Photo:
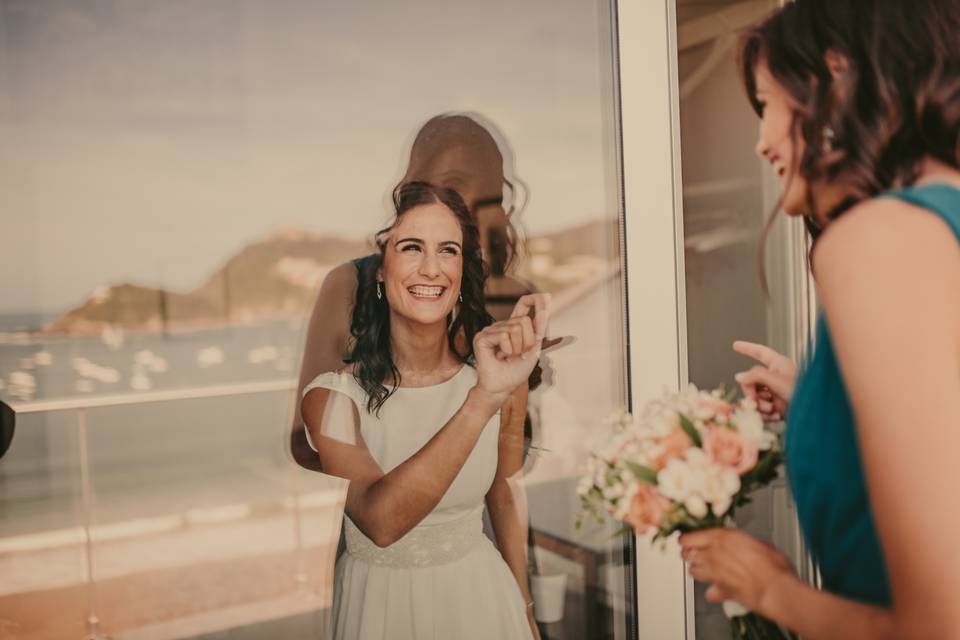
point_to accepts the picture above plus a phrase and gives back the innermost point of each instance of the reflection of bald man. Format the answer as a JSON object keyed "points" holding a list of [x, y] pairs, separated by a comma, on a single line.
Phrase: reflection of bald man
{"points": [[454, 151], [7, 420]]}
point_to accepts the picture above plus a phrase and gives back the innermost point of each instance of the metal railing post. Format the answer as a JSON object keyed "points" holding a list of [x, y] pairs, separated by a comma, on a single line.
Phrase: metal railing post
{"points": [[93, 620]]}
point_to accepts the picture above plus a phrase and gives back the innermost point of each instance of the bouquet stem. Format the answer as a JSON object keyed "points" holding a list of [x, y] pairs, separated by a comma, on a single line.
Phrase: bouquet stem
{"points": [[753, 627]]}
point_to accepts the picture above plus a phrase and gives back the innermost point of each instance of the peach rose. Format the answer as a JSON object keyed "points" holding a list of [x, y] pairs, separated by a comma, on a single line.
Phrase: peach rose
{"points": [[674, 445], [646, 509], [727, 448]]}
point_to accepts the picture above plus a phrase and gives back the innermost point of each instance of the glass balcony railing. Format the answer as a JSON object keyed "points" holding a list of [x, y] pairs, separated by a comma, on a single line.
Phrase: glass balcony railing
{"points": [[153, 534]]}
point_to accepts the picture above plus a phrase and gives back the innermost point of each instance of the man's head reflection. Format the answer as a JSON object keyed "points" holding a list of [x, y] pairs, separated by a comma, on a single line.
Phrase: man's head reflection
{"points": [[457, 152]]}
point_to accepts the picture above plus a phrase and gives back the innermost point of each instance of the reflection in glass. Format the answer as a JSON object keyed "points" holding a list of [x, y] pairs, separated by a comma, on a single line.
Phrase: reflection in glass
{"points": [[177, 182]]}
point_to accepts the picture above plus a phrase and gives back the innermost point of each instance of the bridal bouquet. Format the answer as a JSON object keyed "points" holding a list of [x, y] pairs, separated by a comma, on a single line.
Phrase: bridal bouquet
{"points": [[687, 463]]}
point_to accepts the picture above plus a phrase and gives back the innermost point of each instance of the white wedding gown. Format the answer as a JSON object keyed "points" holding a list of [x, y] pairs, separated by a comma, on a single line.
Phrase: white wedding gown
{"points": [[444, 580]]}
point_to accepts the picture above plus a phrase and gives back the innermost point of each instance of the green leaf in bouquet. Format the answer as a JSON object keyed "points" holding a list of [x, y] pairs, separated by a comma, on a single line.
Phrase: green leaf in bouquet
{"points": [[679, 520], [673, 518], [755, 627], [590, 504], [766, 470], [589, 499], [690, 430], [642, 473], [741, 499], [711, 520]]}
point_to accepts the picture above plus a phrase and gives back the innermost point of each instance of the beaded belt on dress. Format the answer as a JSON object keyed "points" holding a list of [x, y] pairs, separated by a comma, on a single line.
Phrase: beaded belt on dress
{"points": [[426, 545]]}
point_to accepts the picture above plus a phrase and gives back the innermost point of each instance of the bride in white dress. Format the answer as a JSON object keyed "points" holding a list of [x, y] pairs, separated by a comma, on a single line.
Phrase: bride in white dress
{"points": [[426, 423]]}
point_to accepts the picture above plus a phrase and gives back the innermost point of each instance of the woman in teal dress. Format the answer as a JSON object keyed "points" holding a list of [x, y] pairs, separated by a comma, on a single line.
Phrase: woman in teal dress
{"points": [[859, 104]]}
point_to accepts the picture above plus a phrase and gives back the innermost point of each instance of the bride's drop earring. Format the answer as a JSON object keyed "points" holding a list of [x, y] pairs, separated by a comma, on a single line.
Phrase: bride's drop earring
{"points": [[379, 291], [829, 138]]}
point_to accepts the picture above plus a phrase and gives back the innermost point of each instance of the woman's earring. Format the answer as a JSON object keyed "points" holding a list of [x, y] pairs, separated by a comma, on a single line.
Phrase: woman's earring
{"points": [[829, 138], [379, 291], [461, 296]]}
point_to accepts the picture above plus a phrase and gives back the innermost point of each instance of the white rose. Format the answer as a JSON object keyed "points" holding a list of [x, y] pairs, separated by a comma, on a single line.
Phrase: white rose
{"points": [[663, 423], [750, 425], [702, 413], [719, 487], [697, 458], [695, 506], [721, 506], [679, 480]]}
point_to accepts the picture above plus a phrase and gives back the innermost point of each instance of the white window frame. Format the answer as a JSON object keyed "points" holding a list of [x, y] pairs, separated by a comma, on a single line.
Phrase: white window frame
{"points": [[653, 238]]}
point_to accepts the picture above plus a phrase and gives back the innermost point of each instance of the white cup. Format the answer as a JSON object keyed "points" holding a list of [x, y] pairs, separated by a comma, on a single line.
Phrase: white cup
{"points": [[548, 593]]}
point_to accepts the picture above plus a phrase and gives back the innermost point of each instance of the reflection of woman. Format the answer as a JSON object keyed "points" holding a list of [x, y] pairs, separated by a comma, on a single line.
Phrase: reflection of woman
{"points": [[427, 427], [453, 151], [860, 115]]}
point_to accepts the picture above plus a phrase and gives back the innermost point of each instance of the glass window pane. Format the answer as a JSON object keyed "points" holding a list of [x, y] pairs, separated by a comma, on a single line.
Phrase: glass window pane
{"points": [[176, 181]]}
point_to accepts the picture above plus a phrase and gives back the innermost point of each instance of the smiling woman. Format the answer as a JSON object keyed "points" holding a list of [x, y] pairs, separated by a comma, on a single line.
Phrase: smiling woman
{"points": [[858, 106], [430, 273], [424, 265], [426, 422]]}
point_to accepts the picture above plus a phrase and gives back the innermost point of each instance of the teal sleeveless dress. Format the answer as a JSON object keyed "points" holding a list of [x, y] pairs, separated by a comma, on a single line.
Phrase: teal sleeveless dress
{"points": [[823, 461]]}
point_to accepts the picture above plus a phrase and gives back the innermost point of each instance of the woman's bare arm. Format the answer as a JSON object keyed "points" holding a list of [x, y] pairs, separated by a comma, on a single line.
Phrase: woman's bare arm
{"points": [[889, 276], [385, 506], [507, 499], [328, 337]]}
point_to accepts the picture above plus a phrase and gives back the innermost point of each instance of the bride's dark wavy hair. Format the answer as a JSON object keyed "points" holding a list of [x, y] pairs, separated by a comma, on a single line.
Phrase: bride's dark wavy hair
{"points": [[896, 102], [372, 355]]}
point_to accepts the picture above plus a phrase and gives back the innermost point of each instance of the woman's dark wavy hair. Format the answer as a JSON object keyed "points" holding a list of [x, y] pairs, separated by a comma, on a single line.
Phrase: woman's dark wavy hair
{"points": [[372, 355], [896, 102]]}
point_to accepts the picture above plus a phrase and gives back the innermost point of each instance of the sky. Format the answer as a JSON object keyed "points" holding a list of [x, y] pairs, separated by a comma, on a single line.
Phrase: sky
{"points": [[146, 141]]}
